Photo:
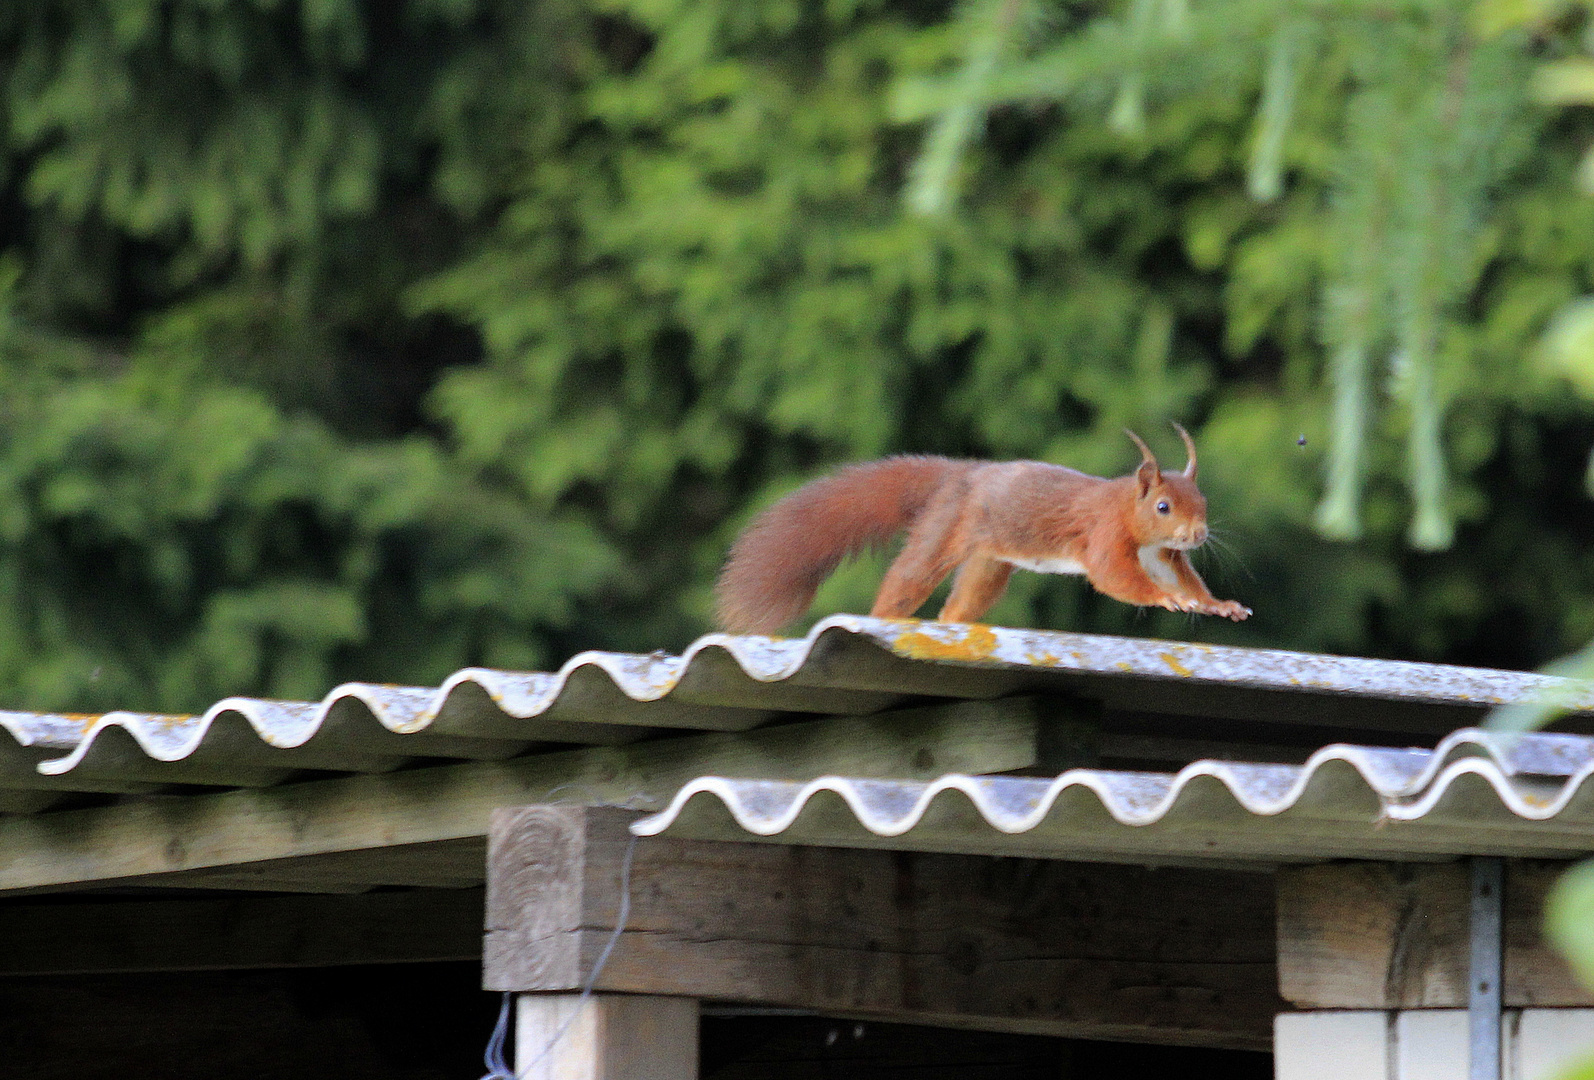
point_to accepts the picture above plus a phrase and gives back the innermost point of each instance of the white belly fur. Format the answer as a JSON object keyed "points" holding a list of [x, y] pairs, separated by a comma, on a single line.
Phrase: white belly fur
{"points": [[1048, 566], [1157, 570]]}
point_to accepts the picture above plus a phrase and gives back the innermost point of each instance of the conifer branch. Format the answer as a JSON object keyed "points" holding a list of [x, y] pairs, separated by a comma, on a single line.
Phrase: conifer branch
{"points": [[992, 28], [1286, 57], [1339, 514], [1128, 114]]}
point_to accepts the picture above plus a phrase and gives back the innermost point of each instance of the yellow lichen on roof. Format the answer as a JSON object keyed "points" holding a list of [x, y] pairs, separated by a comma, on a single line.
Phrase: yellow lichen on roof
{"points": [[954, 642]]}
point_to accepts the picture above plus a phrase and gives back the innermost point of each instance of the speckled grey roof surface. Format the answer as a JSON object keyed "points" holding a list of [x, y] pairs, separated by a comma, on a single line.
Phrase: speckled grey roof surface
{"points": [[847, 665]]}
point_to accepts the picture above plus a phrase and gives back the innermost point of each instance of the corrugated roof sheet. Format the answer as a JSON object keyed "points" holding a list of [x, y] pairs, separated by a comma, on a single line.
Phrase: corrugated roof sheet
{"points": [[1476, 793], [845, 665]]}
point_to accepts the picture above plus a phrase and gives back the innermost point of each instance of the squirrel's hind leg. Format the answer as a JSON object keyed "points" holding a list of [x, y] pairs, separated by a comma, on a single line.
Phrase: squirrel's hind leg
{"points": [[936, 544], [979, 584]]}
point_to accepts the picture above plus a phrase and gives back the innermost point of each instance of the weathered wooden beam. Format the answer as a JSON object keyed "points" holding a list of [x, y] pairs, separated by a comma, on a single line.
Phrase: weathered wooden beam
{"points": [[1366, 935], [104, 936], [144, 837], [1095, 951], [606, 1037], [440, 864]]}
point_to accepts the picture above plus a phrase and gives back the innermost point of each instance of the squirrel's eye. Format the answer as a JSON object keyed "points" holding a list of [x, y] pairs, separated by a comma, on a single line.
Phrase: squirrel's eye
{"points": [[1162, 507]]}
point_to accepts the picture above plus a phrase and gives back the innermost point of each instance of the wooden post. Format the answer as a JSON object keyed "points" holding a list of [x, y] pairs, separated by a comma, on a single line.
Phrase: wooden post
{"points": [[607, 1037], [998, 944]]}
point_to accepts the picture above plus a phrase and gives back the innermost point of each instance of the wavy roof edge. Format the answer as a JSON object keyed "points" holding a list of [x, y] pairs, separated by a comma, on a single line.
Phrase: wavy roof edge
{"points": [[1467, 793], [781, 666]]}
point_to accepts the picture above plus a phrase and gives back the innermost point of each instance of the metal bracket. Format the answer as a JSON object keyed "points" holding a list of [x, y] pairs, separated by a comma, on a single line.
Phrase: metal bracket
{"points": [[1487, 968]]}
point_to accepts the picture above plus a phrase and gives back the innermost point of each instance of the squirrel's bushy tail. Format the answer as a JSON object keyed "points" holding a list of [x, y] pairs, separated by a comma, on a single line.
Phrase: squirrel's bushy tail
{"points": [[777, 565]]}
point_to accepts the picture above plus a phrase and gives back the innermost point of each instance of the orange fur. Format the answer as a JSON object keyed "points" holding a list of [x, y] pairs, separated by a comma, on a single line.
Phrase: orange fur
{"points": [[981, 519]]}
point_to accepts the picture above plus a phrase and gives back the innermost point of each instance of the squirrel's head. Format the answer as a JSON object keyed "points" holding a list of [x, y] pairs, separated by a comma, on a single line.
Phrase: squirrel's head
{"points": [[1169, 509]]}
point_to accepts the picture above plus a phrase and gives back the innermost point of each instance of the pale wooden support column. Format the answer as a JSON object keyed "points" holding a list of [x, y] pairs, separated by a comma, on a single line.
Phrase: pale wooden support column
{"points": [[1378, 956], [540, 903], [995, 944], [605, 1037]]}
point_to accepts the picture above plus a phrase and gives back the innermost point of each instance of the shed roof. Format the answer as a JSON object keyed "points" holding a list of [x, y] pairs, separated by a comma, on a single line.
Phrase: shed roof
{"points": [[127, 795], [846, 665]]}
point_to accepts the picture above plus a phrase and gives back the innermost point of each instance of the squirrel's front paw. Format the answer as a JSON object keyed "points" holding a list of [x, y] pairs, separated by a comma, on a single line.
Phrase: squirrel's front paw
{"points": [[1231, 609]]}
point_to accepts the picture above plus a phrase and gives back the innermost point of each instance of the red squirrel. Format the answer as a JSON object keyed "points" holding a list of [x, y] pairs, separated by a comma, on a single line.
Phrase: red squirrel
{"points": [[1128, 536]]}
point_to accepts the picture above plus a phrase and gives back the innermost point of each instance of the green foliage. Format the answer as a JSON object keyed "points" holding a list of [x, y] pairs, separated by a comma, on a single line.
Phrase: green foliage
{"points": [[1569, 924], [167, 536], [1425, 120], [356, 340], [751, 252], [213, 480]]}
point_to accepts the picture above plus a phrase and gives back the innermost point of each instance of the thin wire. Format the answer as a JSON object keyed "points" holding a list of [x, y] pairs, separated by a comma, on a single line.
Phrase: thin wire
{"points": [[493, 1058], [497, 1067]]}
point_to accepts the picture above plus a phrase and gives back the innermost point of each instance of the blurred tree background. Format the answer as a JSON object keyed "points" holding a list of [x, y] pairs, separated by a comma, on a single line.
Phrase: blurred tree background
{"points": [[344, 339]]}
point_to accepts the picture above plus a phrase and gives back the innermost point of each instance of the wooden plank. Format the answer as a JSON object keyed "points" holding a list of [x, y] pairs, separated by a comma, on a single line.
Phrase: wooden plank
{"points": [[246, 881], [171, 835], [1368, 935], [1093, 951], [606, 1037], [441, 864], [104, 936]]}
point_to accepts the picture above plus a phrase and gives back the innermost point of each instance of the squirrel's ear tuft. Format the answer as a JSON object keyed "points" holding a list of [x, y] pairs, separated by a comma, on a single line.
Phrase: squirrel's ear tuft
{"points": [[1146, 456], [1189, 446], [1148, 472]]}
